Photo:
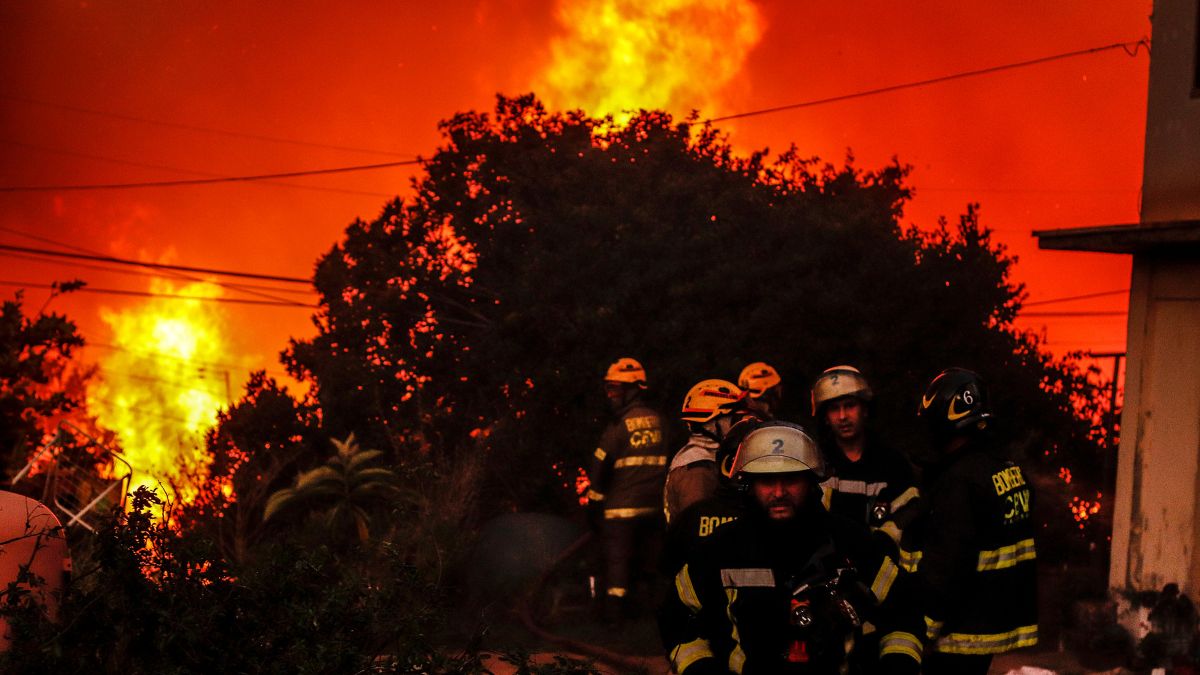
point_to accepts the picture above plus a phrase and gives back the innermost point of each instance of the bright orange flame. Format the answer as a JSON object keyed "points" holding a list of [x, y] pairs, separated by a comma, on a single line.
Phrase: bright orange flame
{"points": [[621, 55], [162, 385]]}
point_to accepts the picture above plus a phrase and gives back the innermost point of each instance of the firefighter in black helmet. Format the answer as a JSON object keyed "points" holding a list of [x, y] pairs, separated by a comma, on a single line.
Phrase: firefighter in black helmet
{"points": [[780, 590], [972, 548], [624, 497]]}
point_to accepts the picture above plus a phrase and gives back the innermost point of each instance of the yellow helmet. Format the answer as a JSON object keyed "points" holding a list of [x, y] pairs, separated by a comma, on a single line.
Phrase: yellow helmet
{"points": [[710, 398], [778, 447], [757, 378], [837, 382], [626, 371]]}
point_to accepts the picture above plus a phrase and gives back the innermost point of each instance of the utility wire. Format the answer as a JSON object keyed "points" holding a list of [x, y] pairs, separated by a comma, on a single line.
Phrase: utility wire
{"points": [[190, 127], [153, 275], [173, 357], [206, 181], [1130, 48], [247, 288], [163, 167], [1071, 298], [1070, 314], [167, 296], [161, 266]]}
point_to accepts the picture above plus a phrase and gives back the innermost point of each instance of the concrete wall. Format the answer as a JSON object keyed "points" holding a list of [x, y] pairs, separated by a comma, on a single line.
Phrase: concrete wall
{"points": [[1171, 178], [1156, 532]]}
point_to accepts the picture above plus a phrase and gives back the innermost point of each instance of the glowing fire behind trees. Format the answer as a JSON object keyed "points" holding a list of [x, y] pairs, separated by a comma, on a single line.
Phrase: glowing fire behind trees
{"points": [[160, 388], [620, 55]]}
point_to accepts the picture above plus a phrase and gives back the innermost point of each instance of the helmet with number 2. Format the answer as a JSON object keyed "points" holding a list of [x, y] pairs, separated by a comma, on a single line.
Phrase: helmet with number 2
{"points": [[955, 402], [778, 447]]}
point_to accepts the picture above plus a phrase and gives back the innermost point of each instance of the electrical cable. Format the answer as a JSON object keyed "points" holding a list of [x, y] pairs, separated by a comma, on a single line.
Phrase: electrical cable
{"points": [[205, 181], [165, 296], [191, 127], [180, 268], [1135, 46], [1071, 298]]}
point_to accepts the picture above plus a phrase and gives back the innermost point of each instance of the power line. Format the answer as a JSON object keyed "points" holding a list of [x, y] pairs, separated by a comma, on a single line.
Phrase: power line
{"points": [[244, 288], [173, 357], [145, 165], [153, 275], [162, 266], [1130, 48], [1071, 298], [166, 296], [1071, 314], [205, 181], [191, 127]]}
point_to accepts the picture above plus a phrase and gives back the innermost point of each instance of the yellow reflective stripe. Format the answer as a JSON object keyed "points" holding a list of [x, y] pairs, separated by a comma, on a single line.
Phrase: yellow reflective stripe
{"points": [[617, 591], [932, 628], [688, 653], [892, 530], [629, 513], [594, 496], [641, 460], [826, 495], [685, 590], [737, 656], [1006, 556], [910, 560], [900, 642], [904, 498], [884, 578], [994, 643], [600, 454]]}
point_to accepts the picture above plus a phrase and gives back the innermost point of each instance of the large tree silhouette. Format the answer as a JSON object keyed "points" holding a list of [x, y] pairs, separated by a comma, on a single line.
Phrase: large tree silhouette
{"points": [[475, 317]]}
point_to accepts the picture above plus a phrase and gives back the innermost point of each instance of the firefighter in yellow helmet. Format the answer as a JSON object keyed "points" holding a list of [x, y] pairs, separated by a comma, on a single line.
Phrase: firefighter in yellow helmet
{"points": [[781, 589], [764, 389], [710, 409], [627, 472]]}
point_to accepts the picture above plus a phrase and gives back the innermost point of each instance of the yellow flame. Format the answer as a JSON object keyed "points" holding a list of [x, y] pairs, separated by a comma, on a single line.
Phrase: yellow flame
{"points": [[163, 382], [622, 55]]}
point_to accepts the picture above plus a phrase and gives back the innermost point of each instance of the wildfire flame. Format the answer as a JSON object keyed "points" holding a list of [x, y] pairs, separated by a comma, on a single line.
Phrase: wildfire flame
{"points": [[161, 387], [618, 55]]}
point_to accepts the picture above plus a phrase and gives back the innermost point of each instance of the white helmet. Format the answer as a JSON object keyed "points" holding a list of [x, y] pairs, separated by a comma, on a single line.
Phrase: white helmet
{"points": [[778, 447], [837, 382]]}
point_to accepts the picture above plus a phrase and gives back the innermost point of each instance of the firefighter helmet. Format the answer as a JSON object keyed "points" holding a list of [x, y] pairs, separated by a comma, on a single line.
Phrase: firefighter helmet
{"points": [[626, 371], [956, 401], [710, 398], [757, 378], [778, 447], [837, 382]]}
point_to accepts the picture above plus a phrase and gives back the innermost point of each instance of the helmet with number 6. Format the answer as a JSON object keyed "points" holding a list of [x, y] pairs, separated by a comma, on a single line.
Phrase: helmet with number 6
{"points": [[955, 403], [778, 447]]}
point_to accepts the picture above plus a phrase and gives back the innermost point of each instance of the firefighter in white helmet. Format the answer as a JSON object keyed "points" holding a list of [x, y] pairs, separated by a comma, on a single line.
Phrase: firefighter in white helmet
{"points": [[868, 480], [710, 409], [781, 589], [626, 480], [764, 389]]}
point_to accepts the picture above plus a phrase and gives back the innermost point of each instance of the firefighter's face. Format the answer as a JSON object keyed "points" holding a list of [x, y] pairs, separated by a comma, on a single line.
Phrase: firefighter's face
{"points": [[780, 494], [617, 394], [846, 417]]}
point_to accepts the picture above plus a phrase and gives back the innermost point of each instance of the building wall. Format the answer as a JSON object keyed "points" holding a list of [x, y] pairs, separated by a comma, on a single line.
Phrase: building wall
{"points": [[1156, 532], [1171, 178]]}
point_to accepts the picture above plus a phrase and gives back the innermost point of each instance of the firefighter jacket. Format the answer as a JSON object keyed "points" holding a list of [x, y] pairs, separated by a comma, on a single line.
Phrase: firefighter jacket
{"points": [[628, 467], [733, 606], [692, 476], [972, 550], [698, 522], [879, 490]]}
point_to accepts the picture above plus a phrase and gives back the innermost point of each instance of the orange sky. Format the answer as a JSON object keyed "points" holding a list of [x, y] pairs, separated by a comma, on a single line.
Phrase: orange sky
{"points": [[1050, 146]]}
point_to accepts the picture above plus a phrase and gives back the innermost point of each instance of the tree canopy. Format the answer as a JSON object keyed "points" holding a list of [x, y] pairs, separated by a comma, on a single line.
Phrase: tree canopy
{"points": [[477, 315]]}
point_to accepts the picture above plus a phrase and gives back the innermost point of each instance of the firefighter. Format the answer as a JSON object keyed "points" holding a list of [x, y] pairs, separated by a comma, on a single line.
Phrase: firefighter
{"points": [[710, 409], [783, 587], [626, 474], [973, 549], [764, 389], [867, 481]]}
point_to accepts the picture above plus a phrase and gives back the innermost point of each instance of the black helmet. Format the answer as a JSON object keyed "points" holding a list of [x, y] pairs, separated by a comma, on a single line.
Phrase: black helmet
{"points": [[955, 402]]}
